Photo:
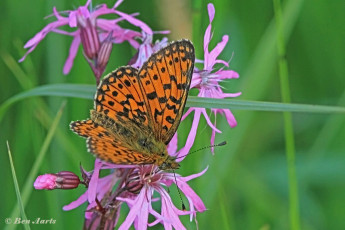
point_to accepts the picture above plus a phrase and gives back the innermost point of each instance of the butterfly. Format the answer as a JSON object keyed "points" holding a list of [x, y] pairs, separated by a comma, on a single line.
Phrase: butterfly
{"points": [[137, 111]]}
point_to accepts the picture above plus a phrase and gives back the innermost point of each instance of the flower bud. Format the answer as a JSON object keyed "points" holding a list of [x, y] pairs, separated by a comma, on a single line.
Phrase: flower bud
{"points": [[134, 183], [104, 54], [61, 180], [89, 37]]}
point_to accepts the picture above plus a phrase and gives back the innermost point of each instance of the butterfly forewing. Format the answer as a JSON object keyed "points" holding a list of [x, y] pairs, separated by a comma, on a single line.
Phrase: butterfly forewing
{"points": [[165, 80], [119, 97]]}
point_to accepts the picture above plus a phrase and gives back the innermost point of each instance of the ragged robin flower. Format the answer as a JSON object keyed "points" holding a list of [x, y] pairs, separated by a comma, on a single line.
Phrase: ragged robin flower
{"points": [[96, 35], [132, 185], [207, 82], [151, 178]]}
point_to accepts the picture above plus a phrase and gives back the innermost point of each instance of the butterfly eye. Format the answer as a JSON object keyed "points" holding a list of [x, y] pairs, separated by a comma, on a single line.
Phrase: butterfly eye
{"points": [[142, 142], [163, 166], [162, 154]]}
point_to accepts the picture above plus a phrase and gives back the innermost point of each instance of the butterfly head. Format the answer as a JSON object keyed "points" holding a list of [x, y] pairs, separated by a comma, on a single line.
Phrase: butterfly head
{"points": [[169, 163], [166, 162]]}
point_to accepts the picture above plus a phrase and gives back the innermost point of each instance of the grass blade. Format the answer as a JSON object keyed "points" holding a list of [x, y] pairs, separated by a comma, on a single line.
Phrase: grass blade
{"points": [[288, 126], [16, 186], [34, 170], [87, 92]]}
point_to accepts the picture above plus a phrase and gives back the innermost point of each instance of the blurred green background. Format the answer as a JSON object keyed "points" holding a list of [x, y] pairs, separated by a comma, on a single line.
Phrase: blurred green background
{"points": [[246, 186]]}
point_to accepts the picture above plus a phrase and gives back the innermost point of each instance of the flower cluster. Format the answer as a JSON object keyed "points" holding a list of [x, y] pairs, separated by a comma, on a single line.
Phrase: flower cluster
{"points": [[207, 81], [96, 35], [136, 186]]}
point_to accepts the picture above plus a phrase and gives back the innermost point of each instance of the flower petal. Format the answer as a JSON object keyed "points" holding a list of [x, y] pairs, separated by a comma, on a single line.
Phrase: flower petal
{"points": [[230, 118], [172, 146], [207, 39], [230, 94], [187, 113], [189, 192], [215, 52], [191, 136], [169, 211], [209, 121], [117, 3], [74, 204], [94, 181], [227, 74], [193, 176], [196, 80], [102, 10], [33, 42], [72, 54], [135, 22], [211, 11], [135, 209]]}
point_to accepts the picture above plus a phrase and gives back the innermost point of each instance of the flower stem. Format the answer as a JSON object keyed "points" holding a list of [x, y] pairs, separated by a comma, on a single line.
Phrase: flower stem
{"points": [[197, 23], [288, 126]]}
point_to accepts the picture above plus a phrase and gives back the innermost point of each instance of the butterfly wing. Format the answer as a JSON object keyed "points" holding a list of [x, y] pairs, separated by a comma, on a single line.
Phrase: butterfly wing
{"points": [[135, 113], [119, 97], [106, 146], [164, 81]]}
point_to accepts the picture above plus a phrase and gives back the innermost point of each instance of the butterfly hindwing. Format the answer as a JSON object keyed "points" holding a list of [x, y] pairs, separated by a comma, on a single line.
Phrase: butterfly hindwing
{"points": [[89, 128], [165, 80], [106, 146], [115, 152]]}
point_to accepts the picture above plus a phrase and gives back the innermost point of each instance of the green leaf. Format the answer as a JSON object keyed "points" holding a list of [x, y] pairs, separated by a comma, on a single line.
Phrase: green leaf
{"points": [[62, 90], [87, 92]]}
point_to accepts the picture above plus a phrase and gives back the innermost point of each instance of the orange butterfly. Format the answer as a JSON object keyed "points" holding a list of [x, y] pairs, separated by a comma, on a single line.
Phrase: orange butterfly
{"points": [[137, 112]]}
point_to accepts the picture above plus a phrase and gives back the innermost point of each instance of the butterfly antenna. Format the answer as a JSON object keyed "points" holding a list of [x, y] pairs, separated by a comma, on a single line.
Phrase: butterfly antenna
{"points": [[178, 189], [206, 147]]}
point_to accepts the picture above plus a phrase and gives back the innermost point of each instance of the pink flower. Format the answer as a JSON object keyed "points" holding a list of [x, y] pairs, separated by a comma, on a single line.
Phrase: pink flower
{"points": [[154, 179], [150, 178], [207, 81], [97, 187], [147, 48], [92, 32], [135, 186]]}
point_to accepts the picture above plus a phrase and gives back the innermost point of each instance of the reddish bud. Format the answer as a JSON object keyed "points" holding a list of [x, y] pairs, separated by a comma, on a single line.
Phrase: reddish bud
{"points": [[89, 37], [104, 54], [61, 180]]}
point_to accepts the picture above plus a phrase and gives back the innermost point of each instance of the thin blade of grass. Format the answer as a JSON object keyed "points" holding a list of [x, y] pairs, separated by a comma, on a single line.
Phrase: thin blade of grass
{"points": [[87, 91], [28, 186], [62, 90], [288, 125], [16, 186], [225, 215], [209, 103]]}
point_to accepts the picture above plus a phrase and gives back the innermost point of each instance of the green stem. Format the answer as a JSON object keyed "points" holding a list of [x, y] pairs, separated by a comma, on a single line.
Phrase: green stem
{"points": [[288, 126], [197, 24]]}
